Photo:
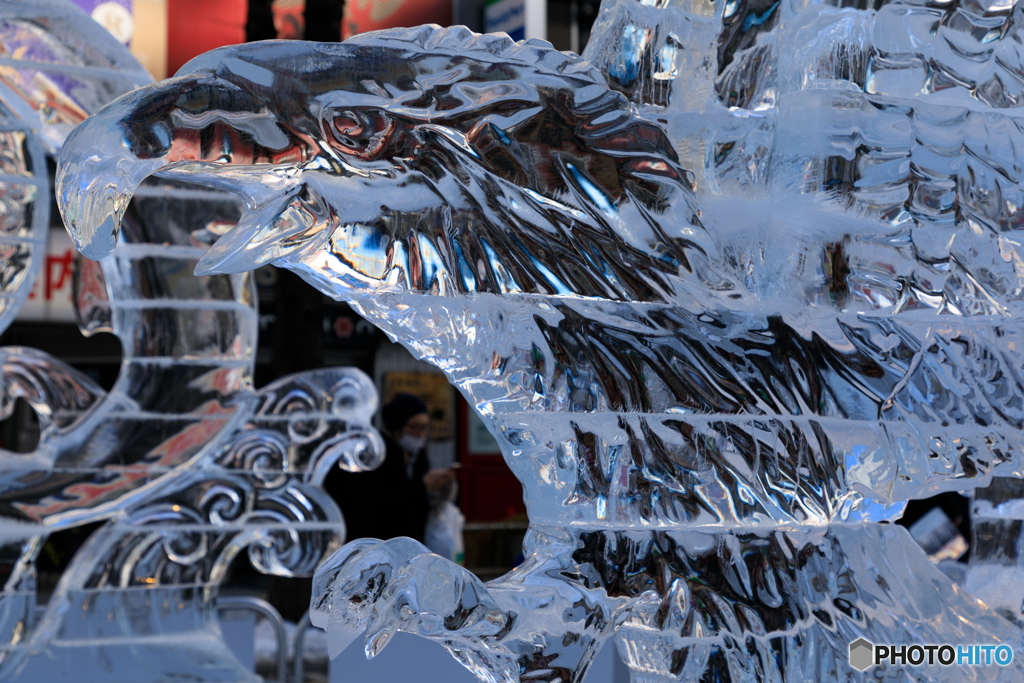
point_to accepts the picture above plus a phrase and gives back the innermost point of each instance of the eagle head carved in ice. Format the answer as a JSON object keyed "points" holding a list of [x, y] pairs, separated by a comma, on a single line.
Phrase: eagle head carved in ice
{"points": [[418, 160]]}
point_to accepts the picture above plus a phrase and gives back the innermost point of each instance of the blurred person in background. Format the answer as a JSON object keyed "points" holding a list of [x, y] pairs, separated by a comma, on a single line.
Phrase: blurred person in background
{"points": [[393, 500]]}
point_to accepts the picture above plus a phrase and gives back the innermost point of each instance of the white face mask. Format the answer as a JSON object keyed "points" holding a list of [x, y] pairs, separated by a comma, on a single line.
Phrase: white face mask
{"points": [[412, 444]]}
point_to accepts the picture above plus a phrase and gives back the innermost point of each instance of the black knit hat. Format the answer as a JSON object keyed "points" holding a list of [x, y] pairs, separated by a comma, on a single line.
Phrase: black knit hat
{"points": [[399, 409]]}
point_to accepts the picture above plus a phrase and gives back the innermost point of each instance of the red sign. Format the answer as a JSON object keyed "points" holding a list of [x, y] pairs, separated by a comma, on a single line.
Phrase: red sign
{"points": [[372, 15], [488, 491], [198, 26], [50, 298]]}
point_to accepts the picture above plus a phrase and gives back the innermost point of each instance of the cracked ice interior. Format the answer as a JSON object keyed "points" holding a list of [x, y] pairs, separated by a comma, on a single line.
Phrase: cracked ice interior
{"points": [[729, 289]]}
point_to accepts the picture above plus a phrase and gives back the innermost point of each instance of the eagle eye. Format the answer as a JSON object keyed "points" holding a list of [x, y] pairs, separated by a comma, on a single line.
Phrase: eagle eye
{"points": [[361, 133]]}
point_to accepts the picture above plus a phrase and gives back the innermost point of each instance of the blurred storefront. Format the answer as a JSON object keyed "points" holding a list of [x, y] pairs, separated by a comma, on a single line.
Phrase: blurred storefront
{"points": [[165, 34]]}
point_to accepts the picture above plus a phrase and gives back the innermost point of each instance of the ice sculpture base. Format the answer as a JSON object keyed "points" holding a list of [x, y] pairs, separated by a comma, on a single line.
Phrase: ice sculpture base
{"points": [[747, 604]]}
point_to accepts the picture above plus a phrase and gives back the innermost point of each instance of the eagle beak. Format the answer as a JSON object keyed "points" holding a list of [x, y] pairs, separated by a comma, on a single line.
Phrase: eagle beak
{"points": [[94, 187], [290, 219], [159, 128], [228, 255]]}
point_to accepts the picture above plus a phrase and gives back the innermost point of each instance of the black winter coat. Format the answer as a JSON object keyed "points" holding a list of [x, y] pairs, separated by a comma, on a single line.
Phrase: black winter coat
{"points": [[385, 503]]}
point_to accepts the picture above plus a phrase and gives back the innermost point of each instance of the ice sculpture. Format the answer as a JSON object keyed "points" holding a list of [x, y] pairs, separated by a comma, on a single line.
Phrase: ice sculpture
{"points": [[183, 460], [188, 463], [996, 569], [57, 69], [728, 290]]}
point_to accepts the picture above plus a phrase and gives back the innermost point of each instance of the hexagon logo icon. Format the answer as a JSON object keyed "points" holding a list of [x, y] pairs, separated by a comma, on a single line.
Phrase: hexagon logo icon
{"points": [[862, 654]]}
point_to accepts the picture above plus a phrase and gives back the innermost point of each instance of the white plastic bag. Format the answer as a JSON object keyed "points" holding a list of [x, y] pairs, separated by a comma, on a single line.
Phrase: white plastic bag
{"points": [[443, 534]]}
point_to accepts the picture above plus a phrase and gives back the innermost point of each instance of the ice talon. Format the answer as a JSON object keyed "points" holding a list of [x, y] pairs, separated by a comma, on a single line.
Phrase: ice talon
{"points": [[500, 630]]}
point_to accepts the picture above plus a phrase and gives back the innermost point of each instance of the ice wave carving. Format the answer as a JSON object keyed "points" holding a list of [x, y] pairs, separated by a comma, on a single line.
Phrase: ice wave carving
{"points": [[728, 292], [184, 462], [55, 68]]}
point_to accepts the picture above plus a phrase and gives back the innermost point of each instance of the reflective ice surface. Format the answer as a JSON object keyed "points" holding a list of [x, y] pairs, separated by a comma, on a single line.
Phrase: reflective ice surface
{"points": [[189, 465], [183, 461], [55, 70], [728, 290]]}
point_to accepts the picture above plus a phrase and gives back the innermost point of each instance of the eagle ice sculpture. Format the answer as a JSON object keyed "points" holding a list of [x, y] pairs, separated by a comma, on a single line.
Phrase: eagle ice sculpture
{"points": [[728, 290]]}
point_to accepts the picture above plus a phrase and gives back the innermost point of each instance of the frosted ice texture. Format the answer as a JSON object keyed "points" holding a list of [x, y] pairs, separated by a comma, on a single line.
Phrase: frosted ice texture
{"points": [[728, 291], [184, 463]]}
